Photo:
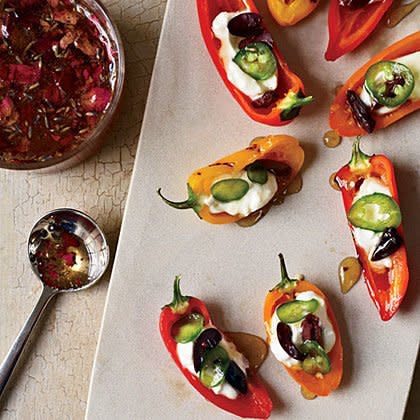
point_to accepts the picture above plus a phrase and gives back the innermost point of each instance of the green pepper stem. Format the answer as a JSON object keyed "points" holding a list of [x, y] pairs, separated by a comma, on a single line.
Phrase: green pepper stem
{"points": [[286, 283], [180, 205], [191, 202], [359, 160], [179, 301]]}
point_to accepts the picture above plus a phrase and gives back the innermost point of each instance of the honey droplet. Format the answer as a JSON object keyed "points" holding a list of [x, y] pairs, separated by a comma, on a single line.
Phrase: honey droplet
{"points": [[308, 395], [395, 16], [349, 272], [295, 186], [254, 348], [333, 182], [331, 138]]}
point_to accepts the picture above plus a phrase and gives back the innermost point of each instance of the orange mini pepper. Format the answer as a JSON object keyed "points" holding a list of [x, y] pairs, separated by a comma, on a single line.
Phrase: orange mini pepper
{"points": [[286, 291], [288, 13], [341, 118], [279, 154]]}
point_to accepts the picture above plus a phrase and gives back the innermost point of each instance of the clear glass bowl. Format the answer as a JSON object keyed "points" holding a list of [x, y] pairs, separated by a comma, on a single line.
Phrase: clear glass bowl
{"points": [[92, 143]]}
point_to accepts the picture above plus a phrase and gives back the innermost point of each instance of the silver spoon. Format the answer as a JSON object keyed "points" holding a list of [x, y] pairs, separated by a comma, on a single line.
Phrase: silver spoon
{"points": [[85, 259]]}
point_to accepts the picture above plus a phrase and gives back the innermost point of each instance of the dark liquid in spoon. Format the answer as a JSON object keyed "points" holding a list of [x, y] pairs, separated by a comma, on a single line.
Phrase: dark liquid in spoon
{"points": [[61, 258]]}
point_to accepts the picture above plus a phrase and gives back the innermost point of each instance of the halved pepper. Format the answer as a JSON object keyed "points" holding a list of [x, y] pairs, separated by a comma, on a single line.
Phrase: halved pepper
{"points": [[341, 117], [288, 13], [290, 90], [253, 403], [316, 382], [280, 150], [387, 286], [350, 22]]}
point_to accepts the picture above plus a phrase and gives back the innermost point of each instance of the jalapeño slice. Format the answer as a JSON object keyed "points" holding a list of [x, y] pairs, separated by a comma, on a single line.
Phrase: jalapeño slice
{"points": [[389, 82], [187, 328], [375, 212], [257, 173], [317, 360], [214, 367], [257, 60], [230, 189], [296, 310]]}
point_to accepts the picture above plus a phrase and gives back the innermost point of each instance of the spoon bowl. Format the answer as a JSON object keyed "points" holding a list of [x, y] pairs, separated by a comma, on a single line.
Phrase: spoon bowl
{"points": [[81, 226]]}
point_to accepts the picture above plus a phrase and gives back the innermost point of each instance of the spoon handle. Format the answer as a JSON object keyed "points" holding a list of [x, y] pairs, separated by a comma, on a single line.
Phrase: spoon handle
{"points": [[12, 357]]}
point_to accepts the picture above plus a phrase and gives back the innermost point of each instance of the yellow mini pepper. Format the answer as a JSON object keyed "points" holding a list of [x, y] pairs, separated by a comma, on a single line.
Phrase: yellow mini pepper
{"points": [[280, 154], [290, 12]]}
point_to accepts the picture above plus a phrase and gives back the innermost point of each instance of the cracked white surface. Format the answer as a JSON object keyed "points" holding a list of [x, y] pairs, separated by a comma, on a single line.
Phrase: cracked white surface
{"points": [[52, 379]]}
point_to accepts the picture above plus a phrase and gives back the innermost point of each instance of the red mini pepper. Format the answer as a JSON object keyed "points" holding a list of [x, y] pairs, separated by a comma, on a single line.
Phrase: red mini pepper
{"points": [[290, 89], [349, 27], [256, 403], [387, 286]]}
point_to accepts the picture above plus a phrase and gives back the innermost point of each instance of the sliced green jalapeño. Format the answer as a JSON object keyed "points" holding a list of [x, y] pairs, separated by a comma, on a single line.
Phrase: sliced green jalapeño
{"points": [[230, 189], [389, 82], [317, 360], [375, 212], [257, 173], [187, 328], [296, 310], [214, 367], [257, 60]]}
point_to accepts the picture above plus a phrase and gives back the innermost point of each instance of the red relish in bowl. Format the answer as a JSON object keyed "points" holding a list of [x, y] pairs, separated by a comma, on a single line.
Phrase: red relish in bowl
{"points": [[57, 76]]}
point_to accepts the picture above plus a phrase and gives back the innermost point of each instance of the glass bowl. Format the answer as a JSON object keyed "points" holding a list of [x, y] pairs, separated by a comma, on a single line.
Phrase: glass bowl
{"points": [[98, 14]]}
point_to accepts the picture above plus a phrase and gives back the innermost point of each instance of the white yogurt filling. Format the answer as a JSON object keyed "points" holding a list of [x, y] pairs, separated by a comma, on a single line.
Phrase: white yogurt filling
{"points": [[257, 196], [228, 49], [328, 334], [367, 239], [412, 61], [185, 355]]}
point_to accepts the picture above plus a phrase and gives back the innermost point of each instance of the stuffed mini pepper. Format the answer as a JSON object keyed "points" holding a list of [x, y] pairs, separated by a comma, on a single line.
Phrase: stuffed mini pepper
{"points": [[384, 90], [371, 202], [209, 360], [350, 22], [238, 185], [303, 334], [248, 61]]}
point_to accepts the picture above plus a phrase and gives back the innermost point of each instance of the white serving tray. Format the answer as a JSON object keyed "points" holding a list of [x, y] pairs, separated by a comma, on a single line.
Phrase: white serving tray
{"points": [[190, 121]]}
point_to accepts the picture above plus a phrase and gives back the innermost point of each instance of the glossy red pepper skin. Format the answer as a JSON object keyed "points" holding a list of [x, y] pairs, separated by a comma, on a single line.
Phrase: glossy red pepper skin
{"points": [[256, 403], [289, 84], [387, 287], [348, 28]]}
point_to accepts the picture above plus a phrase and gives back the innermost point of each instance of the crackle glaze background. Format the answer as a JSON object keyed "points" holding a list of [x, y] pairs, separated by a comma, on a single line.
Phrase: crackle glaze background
{"points": [[53, 379]]}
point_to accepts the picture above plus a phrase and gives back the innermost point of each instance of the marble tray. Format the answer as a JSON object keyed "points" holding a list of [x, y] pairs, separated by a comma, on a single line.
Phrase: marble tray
{"points": [[190, 121]]}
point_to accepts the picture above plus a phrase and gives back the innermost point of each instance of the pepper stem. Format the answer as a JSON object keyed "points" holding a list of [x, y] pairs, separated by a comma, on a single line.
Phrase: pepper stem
{"points": [[190, 203], [292, 103], [286, 283], [179, 301], [359, 160]]}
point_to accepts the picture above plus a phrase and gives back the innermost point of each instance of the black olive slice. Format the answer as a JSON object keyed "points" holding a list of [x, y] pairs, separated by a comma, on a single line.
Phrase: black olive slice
{"points": [[236, 377], [284, 334], [361, 113], [206, 341], [390, 241], [246, 24]]}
